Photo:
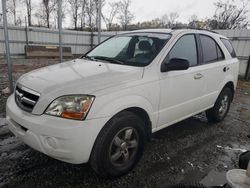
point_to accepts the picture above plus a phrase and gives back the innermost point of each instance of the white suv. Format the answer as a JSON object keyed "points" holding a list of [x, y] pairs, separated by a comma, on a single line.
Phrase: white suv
{"points": [[102, 107]]}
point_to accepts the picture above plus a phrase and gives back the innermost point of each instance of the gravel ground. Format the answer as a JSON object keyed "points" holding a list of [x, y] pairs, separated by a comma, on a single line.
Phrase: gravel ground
{"points": [[184, 152]]}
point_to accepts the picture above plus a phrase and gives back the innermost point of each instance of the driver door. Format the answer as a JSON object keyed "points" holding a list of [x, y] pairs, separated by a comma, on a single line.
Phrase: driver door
{"points": [[181, 91]]}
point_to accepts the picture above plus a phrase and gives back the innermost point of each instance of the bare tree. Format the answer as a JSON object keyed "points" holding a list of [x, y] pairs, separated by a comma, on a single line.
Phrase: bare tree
{"points": [[96, 7], [29, 11], [19, 20], [43, 14], [195, 22], [11, 7], [1, 17], [125, 15], [48, 7], [14, 11], [54, 14], [83, 14], [165, 20], [193, 18], [155, 23], [229, 15], [173, 16], [75, 6], [112, 13], [95, 13], [90, 14], [170, 20]]}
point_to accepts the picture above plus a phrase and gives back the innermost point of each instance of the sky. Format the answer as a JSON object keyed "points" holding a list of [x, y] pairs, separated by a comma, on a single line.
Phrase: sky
{"points": [[150, 9], [145, 10]]}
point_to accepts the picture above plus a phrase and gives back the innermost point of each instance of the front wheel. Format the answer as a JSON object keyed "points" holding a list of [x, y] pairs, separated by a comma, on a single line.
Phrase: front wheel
{"points": [[119, 145], [221, 106]]}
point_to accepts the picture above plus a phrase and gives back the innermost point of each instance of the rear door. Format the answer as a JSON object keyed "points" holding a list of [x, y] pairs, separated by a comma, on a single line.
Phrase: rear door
{"points": [[216, 68]]}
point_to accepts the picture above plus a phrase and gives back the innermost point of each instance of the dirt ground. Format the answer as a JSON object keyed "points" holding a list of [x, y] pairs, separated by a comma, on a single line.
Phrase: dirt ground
{"points": [[184, 152]]}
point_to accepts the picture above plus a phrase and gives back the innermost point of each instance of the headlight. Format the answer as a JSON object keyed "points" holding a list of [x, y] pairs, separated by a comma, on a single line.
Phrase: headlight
{"points": [[71, 107]]}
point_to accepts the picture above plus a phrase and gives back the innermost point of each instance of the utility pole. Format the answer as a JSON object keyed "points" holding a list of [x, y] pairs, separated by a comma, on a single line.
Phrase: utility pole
{"points": [[26, 36], [60, 30], [7, 47], [99, 20], [247, 74]]}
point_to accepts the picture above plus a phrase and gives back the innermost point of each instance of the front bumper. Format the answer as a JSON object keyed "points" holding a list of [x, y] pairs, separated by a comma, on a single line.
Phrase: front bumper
{"points": [[63, 139]]}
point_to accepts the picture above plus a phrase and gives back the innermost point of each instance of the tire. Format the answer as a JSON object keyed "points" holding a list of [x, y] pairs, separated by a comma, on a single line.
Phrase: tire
{"points": [[119, 145], [221, 106]]}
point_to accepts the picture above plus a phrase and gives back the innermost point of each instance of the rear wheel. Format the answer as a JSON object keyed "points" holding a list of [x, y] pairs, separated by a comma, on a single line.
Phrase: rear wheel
{"points": [[119, 145], [221, 107]]}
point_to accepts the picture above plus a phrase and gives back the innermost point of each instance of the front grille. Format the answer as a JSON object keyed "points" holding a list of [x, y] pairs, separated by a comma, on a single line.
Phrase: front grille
{"points": [[26, 98]]}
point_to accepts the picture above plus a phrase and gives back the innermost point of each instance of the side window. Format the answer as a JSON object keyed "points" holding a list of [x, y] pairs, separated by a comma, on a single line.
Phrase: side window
{"points": [[229, 47], [210, 49], [185, 48]]}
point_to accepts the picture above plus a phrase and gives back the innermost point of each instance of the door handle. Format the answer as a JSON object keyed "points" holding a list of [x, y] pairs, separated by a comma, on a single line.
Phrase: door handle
{"points": [[198, 76], [225, 69]]}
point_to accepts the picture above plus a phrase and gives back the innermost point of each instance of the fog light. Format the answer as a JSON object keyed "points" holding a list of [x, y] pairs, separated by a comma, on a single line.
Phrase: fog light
{"points": [[51, 142]]}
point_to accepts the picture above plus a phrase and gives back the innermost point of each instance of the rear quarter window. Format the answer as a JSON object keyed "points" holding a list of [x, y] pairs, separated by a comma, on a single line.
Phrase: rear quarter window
{"points": [[229, 46]]}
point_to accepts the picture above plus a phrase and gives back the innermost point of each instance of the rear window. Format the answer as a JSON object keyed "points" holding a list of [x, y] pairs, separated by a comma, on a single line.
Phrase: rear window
{"points": [[229, 47], [210, 49]]}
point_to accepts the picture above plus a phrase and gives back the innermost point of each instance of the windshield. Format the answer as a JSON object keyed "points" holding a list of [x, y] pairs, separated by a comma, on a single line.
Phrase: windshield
{"points": [[135, 49]]}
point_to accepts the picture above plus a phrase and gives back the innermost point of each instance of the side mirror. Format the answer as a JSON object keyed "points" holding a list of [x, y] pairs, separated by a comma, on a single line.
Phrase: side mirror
{"points": [[174, 64]]}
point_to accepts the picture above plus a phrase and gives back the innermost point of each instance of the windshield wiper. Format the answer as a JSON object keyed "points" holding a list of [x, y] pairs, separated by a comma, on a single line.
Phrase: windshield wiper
{"points": [[109, 59], [89, 57]]}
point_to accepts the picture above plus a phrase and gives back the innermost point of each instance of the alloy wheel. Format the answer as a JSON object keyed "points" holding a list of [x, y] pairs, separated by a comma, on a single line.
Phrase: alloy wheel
{"points": [[224, 106], [123, 146]]}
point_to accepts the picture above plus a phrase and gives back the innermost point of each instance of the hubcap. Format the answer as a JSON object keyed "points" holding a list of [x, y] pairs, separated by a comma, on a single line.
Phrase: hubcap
{"points": [[123, 146], [224, 106]]}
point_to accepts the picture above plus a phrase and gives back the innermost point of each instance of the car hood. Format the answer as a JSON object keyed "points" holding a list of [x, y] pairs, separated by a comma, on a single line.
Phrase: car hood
{"points": [[79, 76]]}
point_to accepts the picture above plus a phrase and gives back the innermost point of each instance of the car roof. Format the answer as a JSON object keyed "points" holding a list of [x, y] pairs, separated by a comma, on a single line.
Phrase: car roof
{"points": [[199, 31], [152, 31], [177, 31]]}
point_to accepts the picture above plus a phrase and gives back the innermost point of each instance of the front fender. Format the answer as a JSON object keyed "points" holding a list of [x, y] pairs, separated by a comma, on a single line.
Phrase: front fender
{"points": [[110, 107]]}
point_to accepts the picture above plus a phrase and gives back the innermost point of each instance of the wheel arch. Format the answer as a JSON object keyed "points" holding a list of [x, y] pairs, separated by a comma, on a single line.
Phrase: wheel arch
{"points": [[143, 115], [231, 86], [140, 112]]}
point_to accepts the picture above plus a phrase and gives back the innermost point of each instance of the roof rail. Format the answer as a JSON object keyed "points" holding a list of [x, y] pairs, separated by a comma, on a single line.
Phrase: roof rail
{"points": [[195, 28]]}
